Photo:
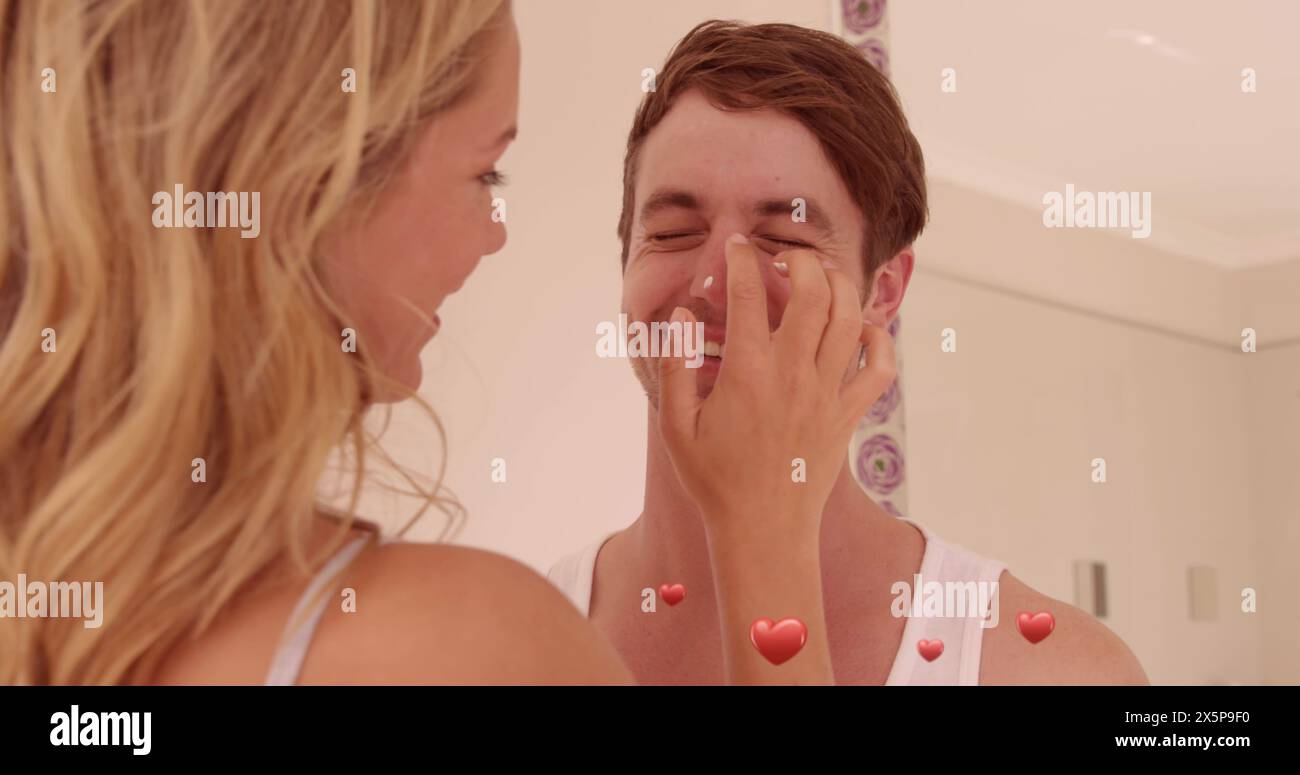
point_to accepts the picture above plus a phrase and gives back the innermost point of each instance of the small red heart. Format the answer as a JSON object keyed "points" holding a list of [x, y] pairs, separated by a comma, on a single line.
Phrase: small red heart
{"points": [[1035, 627], [930, 649], [672, 594], [778, 641]]}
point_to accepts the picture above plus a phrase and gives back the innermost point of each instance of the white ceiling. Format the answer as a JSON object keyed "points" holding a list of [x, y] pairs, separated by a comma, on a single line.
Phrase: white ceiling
{"points": [[1117, 95]]}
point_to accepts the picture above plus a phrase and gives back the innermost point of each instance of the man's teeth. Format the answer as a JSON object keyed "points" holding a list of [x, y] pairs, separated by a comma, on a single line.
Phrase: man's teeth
{"points": [[713, 349]]}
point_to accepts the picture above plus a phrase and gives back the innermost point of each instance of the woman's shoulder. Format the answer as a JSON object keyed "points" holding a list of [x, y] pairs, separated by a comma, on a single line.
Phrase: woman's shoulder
{"points": [[410, 613], [435, 613]]}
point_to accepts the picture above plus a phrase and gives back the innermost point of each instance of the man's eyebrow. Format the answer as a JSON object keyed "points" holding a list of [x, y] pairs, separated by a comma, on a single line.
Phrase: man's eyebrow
{"points": [[814, 216], [669, 199]]}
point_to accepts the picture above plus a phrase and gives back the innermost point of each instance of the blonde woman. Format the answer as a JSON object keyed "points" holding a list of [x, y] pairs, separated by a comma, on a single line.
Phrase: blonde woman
{"points": [[170, 396]]}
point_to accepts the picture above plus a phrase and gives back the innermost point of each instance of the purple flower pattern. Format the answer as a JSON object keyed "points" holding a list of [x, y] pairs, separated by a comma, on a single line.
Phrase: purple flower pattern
{"points": [[880, 464], [862, 15], [874, 50], [880, 412]]}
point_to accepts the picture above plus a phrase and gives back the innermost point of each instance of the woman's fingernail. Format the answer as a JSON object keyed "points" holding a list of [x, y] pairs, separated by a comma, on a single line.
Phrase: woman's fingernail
{"points": [[782, 268], [708, 282], [738, 238]]}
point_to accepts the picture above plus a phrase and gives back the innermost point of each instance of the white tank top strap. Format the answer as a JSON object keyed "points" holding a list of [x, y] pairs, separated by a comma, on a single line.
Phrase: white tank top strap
{"points": [[294, 642], [962, 635], [574, 574]]}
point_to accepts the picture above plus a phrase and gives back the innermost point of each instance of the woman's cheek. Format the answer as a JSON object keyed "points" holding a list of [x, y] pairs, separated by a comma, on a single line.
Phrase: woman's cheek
{"points": [[487, 220], [497, 236]]}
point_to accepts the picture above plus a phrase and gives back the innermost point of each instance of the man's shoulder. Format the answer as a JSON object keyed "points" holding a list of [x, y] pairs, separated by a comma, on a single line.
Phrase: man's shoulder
{"points": [[1079, 650], [565, 566], [574, 574]]}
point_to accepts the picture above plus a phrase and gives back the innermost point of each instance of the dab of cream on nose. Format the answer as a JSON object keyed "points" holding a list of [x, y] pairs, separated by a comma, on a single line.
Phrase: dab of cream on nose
{"points": [[708, 282]]}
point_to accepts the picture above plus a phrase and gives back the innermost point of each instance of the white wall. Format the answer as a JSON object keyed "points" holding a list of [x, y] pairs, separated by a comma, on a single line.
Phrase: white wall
{"points": [[1072, 345], [1273, 400]]}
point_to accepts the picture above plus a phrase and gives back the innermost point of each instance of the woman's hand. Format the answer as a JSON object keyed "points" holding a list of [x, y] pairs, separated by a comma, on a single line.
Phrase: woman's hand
{"points": [[760, 454]]}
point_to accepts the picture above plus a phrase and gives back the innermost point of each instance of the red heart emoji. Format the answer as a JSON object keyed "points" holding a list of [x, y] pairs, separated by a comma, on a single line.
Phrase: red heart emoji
{"points": [[930, 649], [672, 594], [778, 641], [1035, 627]]}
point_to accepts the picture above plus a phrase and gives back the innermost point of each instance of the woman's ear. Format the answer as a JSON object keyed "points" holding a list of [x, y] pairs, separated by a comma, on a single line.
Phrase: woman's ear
{"points": [[888, 286]]}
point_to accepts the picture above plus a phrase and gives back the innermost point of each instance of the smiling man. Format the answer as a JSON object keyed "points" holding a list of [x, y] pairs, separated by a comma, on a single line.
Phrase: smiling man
{"points": [[790, 137]]}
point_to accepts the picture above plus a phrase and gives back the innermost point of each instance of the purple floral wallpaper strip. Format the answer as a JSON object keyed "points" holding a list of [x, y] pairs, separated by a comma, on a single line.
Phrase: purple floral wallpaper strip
{"points": [[877, 447], [862, 15], [883, 409], [874, 50], [880, 464], [877, 450]]}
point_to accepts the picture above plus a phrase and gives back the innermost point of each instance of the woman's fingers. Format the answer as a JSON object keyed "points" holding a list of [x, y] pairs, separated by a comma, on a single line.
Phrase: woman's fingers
{"points": [[804, 320], [875, 378], [679, 401], [748, 338], [820, 330], [843, 332]]}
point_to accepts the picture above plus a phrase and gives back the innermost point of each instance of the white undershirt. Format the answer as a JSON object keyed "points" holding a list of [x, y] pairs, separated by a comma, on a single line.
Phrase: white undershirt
{"points": [[959, 664]]}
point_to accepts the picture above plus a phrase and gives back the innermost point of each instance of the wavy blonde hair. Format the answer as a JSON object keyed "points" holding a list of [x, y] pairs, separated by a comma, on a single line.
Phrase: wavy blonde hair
{"points": [[177, 344]]}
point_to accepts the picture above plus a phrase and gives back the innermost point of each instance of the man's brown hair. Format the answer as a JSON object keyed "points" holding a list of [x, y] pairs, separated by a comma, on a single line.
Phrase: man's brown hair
{"points": [[829, 87]]}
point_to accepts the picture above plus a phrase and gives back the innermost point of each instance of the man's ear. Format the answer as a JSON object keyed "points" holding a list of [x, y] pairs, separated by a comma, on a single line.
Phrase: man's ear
{"points": [[888, 286]]}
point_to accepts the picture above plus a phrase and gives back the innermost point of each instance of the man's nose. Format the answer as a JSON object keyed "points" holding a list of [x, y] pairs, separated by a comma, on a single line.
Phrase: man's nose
{"points": [[710, 280]]}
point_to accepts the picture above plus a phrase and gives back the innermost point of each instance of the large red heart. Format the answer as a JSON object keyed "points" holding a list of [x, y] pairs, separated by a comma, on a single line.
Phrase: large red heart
{"points": [[672, 594], [778, 641], [1035, 627], [930, 649]]}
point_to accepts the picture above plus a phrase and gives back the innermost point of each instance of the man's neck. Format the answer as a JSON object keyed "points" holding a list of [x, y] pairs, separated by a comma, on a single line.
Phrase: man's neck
{"points": [[858, 538]]}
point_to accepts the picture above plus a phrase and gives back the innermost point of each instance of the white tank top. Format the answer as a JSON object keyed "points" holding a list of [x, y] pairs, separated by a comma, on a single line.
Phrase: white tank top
{"points": [[291, 652], [959, 664]]}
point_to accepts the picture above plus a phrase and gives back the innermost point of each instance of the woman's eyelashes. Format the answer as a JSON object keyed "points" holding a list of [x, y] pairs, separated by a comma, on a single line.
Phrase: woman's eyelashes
{"points": [[494, 178]]}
